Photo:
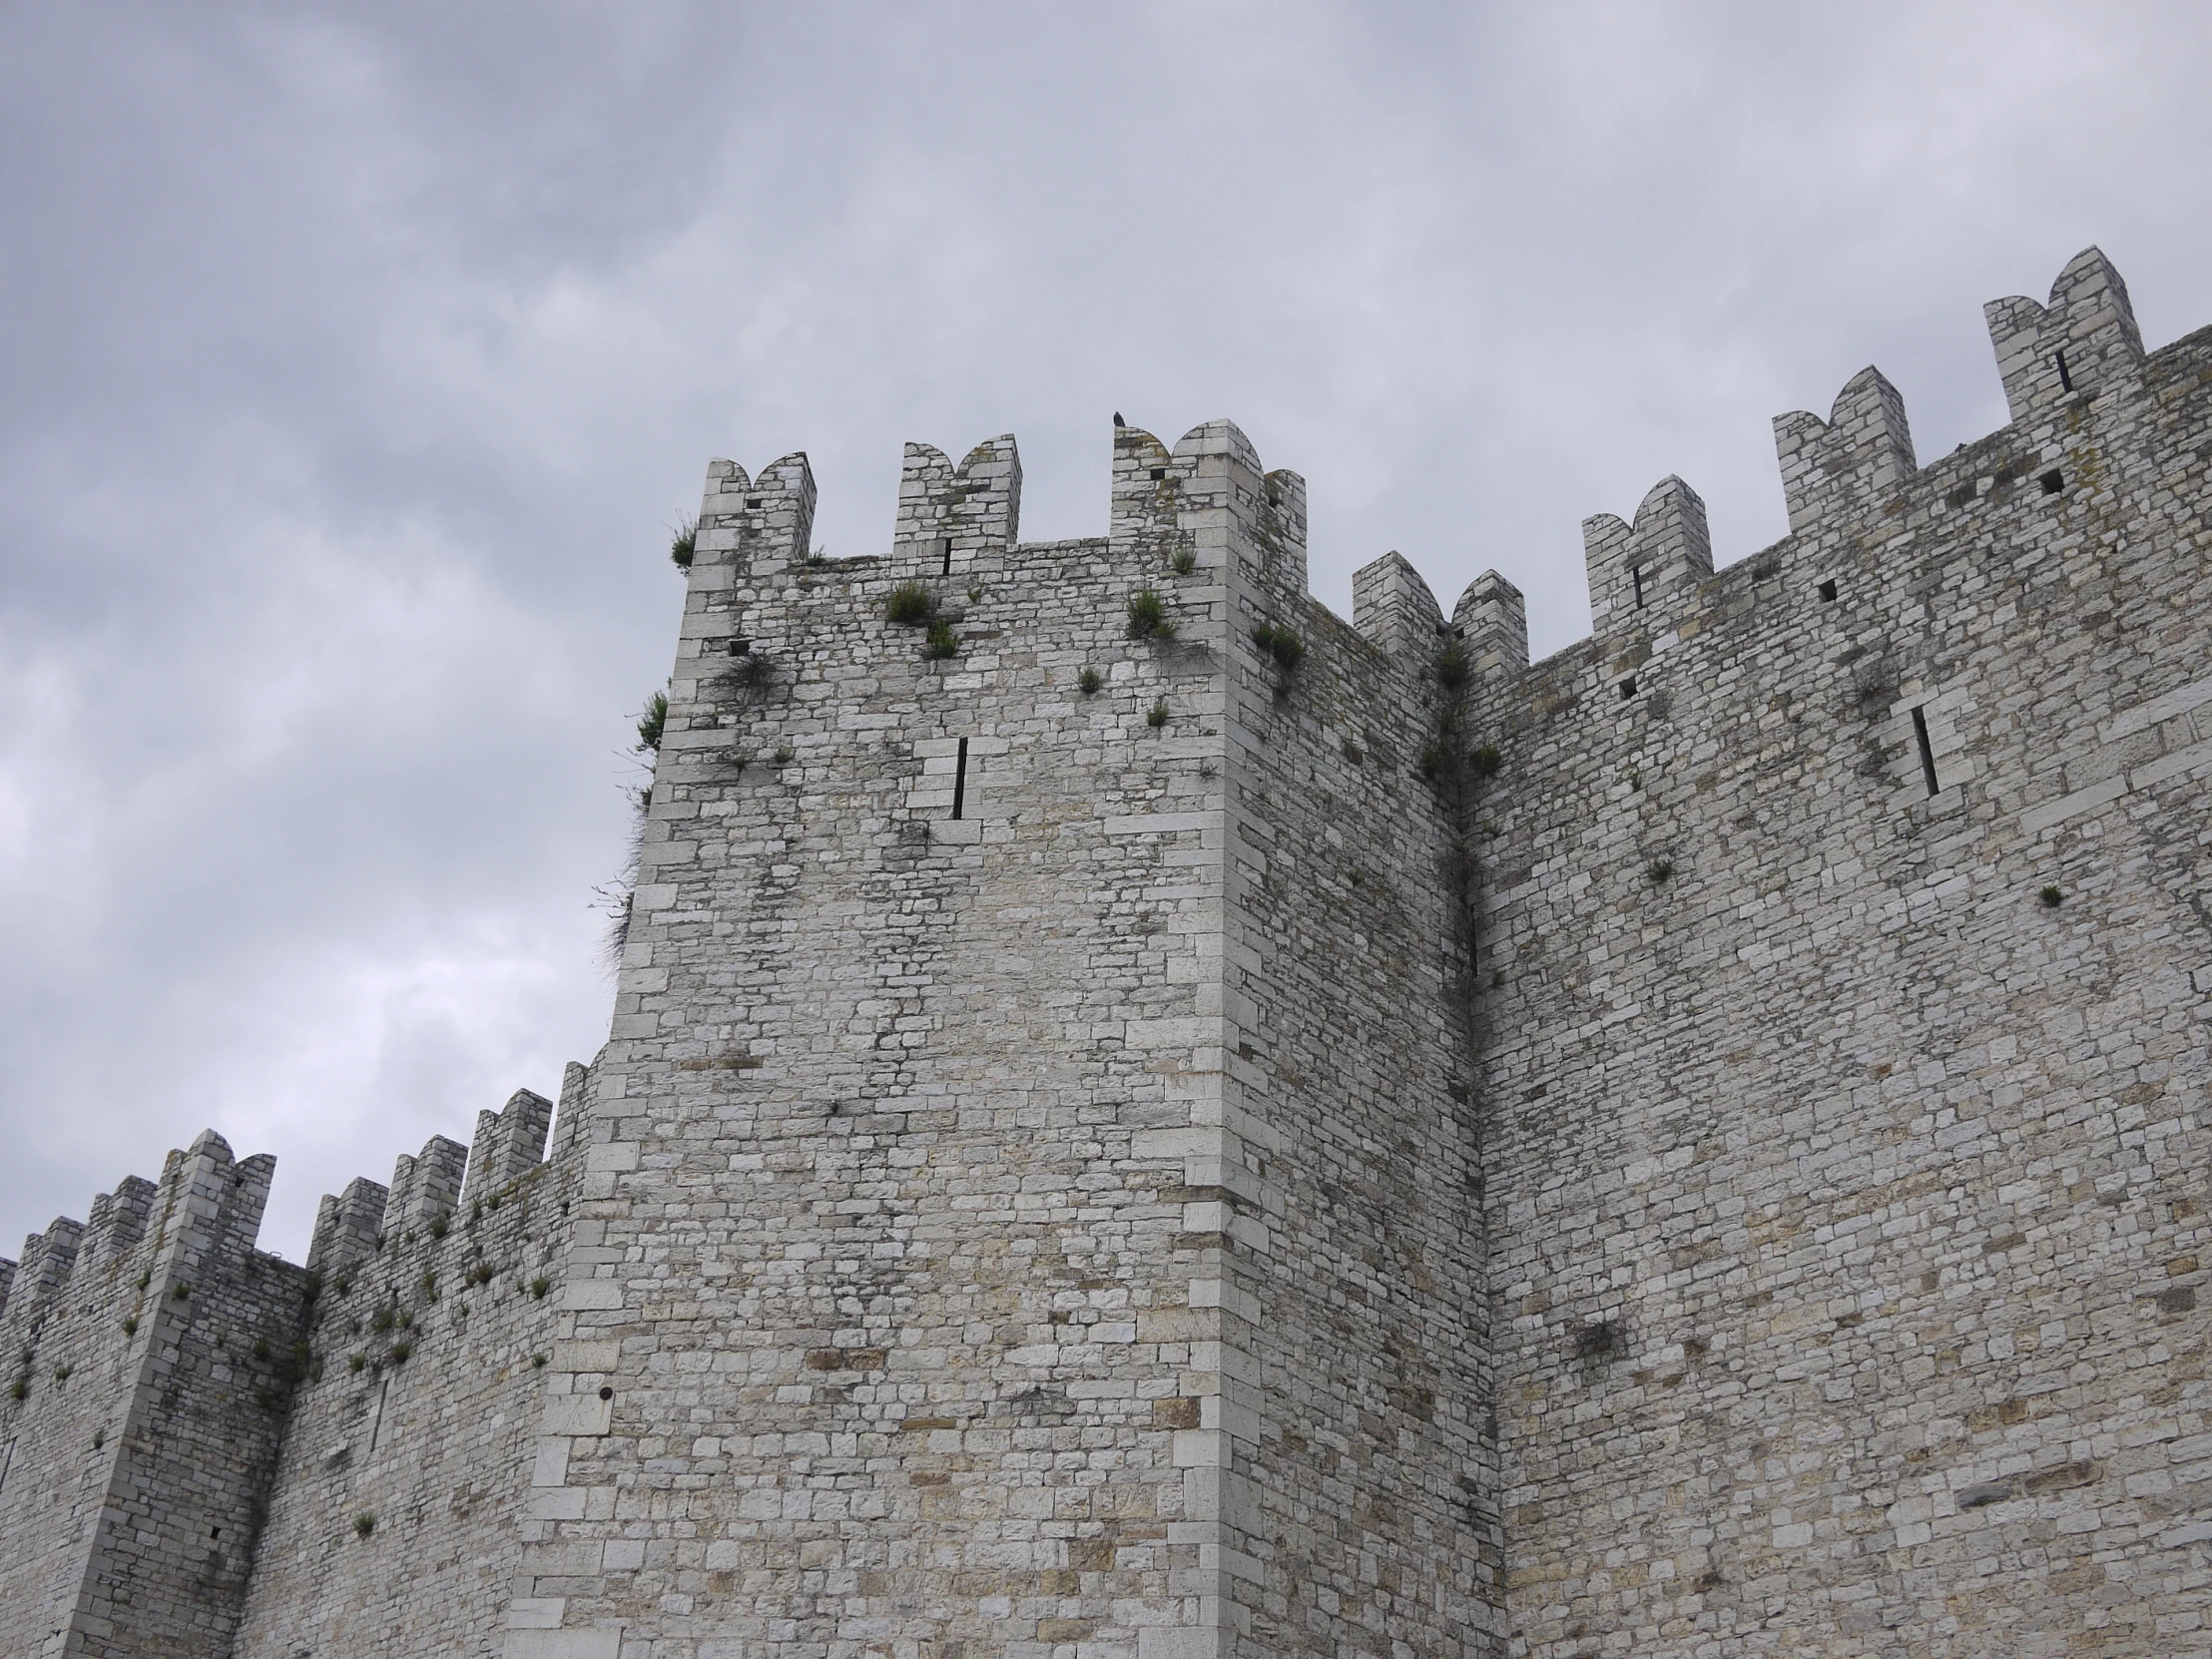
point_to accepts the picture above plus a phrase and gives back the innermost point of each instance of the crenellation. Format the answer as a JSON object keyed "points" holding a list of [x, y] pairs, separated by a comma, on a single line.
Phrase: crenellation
{"points": [[426, 1188], [1392, 607], [2084, 340], [953, 519], [347, 1227], [1137, 1136], [1492, 623], [1835, 470], [509, 1143], [1634, 567], [754, 526]]}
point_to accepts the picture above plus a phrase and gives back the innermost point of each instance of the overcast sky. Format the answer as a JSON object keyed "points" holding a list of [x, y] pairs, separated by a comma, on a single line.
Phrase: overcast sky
{"points": [[357, 361]]}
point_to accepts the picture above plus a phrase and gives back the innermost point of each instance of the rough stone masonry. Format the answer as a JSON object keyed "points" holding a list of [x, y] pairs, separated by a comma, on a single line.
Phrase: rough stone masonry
{"points": [[1145, 1122]]}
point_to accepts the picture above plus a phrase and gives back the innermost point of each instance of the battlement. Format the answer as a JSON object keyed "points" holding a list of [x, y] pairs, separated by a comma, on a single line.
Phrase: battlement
{"points": [[1172, 508], [2082, 340]]}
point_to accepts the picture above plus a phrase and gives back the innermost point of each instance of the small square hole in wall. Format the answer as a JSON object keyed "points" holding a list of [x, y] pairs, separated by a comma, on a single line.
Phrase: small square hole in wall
{"points": [[753, 501], [1828, 592], [1159, 473], [2052, 481], [1628, 688]]}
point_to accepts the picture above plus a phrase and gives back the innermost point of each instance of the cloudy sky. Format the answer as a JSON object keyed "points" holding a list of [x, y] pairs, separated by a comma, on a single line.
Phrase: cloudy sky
{"points": [[356, 360]]}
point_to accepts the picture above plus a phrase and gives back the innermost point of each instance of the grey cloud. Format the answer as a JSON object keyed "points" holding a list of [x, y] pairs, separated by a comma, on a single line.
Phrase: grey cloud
{"points": [[359, 359]]}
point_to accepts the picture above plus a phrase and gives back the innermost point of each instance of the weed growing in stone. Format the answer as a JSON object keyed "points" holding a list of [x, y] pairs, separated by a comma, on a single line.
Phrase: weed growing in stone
{"points": [[1281, 644], [652, 722], [1089, 681], [1148, 616], [684, 544], [1157, 715], [911, 605], [941, 643]]}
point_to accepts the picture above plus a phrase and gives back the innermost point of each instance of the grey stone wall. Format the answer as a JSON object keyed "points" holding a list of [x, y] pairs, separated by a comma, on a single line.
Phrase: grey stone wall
{"points": [[153, 1354], [394, 1509], [1847, 1197]]}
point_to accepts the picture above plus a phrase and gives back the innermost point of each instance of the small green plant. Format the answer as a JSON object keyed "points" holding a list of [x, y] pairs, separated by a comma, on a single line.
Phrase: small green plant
{"points": [[355, 1361], [941, 643], [974, 595], [911, 605], [145, 1279], [1089, 681], [685, 544], [314, 1286], [60, 1374], [1435, 761], [401, 1351], [537, 1362], [430, 1286], [20, 1388], [1185, 561], [384, 1321], [265, 1397], [182, 1291], [406, 1322], [1486, 761], [538, 1286], [480, 1273], [99, 1439], [1451, 667], [343, 1285], [439, 1228], [1157, 715], [495, 1200], [1281, 644], [784, 755], [1148, 616], [2052, 897], [652, 722], [1659, 869], [364, 1524], [818, 557], [261, 1348], [130, 1325]]}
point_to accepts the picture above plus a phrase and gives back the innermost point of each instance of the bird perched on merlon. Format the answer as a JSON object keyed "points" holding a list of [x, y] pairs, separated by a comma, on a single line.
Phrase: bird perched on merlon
{"points": [[1118, 421]]}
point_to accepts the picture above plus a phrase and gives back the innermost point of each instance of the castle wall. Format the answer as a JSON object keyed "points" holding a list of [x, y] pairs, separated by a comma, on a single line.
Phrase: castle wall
{"points": [[1351, 1177], [1847, 1197], [154, 1354], [876, 1330], [394, 1509]]}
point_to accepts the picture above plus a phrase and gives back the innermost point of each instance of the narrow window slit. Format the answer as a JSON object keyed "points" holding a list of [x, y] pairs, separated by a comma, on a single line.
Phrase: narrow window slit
{"points": [[1636, 575], [1628, 688], [2065, 379], [1928, 755], [2052, 481], [948, 555], [959, 781], [376, 1424], [1828, 592]]}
